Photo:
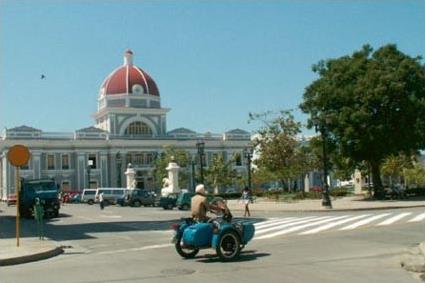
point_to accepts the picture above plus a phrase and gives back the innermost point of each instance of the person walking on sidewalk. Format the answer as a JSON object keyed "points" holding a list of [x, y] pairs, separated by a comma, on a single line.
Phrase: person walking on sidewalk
{"points": [[39, 215], [101, 201], [246, 198]]}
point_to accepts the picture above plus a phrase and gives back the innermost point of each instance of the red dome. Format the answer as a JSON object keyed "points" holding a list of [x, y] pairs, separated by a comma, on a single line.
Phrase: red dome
{"points": [[122, 79]]}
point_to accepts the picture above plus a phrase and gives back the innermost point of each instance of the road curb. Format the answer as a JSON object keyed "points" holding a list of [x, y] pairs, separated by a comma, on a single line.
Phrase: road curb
{"points": [[32, 257], [253, 209]]}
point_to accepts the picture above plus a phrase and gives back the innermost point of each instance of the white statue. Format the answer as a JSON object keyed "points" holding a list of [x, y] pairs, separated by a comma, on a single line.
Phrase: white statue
{"points": [[171, 184], [165, 183]]}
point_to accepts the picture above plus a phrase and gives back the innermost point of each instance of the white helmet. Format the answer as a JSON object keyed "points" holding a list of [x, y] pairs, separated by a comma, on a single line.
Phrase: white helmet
{"points": [[200, 189]]}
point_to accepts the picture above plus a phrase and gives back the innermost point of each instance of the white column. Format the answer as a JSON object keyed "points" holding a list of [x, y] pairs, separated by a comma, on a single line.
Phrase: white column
{"points": [[357, 182], [36, 157], [131, 180], [306, 183]]}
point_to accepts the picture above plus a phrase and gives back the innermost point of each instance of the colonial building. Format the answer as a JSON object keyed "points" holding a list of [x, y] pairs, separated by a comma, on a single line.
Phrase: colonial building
{"points": [[130, 127]]}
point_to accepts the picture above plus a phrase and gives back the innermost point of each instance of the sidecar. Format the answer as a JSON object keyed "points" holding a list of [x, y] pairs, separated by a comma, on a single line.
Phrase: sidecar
{"points": [[227, 238]]}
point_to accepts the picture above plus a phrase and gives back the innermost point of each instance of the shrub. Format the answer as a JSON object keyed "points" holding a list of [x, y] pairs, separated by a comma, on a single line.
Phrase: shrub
{"points": [[416, 191], [339, 192]]}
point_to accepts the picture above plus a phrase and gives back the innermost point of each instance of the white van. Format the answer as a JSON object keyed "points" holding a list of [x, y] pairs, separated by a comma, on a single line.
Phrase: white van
{"points": [[89, 196], [110, 195]]}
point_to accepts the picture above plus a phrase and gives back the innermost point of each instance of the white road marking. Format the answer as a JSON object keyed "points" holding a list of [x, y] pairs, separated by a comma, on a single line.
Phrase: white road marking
{"points": [[282, 221], [364, 222], [394, 219], [271, 222], [299, 221], [331, 225], [111, 216], [86, 218], [138, 249], [296, 228], [418, 218]]}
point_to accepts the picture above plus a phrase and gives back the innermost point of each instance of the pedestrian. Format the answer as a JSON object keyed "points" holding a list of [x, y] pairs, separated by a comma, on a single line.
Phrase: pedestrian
{"points": [[101, 201], [246, 198], [39, 215]]}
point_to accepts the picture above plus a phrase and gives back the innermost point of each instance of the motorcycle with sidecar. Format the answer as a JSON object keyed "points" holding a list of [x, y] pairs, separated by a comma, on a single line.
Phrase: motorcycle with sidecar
{"points": [[226, 237]]}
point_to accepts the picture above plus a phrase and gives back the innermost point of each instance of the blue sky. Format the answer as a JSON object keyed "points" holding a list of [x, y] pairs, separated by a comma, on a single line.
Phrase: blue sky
{"points": [[213, 61]]}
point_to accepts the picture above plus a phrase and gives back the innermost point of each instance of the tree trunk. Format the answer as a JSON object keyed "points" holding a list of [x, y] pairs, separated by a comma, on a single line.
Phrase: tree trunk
{"points": [[283, 184], [378, 189]]}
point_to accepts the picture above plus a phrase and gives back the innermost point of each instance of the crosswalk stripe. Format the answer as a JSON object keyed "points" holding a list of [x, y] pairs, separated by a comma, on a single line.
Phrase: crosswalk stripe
{"points": [[394, 219], [331, 225], [272, 222], [297, 228], [418, 218], [364, 222], [299, 221], [292, 219]]}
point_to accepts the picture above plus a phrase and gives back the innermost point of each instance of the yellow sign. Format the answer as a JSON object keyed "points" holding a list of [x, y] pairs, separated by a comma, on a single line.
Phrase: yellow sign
{"points": [[18, 155]]}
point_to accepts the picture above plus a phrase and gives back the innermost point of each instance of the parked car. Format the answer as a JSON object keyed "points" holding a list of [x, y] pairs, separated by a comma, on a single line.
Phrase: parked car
{"points": [[184, 200], [76, 198], [11, 199], [88, 196], [67, 196], [168, 202], [111, 195], [231, 191], [137, 198]]}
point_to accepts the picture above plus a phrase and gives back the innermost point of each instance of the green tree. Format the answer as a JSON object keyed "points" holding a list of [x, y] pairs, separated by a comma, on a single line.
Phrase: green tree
{"points": [[372, 105], [181, 157], [219, 173], [276, 144], [415, 176], [394, 166]]}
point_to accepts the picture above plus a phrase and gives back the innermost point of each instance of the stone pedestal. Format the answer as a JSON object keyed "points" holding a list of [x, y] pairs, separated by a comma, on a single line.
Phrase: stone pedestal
{"points": [[357, 182], [306, 183], [131, 180], [171, 184]]}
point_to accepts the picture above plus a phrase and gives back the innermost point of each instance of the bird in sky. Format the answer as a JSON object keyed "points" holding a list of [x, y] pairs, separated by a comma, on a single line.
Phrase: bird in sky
{"points": [[42, 76]]}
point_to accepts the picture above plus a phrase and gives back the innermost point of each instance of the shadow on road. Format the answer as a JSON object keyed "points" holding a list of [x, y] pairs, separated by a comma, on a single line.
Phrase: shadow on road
{"points": [[247, 255], [57, 231]]}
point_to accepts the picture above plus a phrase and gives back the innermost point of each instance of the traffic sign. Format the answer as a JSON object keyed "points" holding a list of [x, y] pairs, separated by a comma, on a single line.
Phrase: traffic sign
{"points": [[18, 155]]}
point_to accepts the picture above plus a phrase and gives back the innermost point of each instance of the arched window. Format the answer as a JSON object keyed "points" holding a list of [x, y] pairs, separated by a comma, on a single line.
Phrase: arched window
{"points": [[138, 129]]}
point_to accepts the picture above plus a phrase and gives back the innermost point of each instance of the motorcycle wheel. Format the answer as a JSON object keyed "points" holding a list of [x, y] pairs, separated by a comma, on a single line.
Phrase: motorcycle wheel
{"points": [[186, 253], [229, 246]]}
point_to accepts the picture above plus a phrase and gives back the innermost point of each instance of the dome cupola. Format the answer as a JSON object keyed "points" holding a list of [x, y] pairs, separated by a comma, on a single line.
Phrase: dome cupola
{"points": [[129, 79]]}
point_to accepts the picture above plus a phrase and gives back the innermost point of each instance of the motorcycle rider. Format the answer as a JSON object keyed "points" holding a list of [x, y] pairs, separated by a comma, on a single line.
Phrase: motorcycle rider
{"points": [[200, 205]]}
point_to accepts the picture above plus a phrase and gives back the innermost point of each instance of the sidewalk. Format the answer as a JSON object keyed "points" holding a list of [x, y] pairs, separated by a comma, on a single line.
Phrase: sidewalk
{"points": [[339, 204], [32, 249]]}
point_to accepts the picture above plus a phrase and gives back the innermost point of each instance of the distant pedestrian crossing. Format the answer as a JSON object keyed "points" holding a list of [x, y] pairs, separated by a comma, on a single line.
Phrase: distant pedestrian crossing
{"points": [[308, 225]]}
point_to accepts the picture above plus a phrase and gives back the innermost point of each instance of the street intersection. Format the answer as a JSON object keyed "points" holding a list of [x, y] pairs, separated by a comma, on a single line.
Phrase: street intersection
{"points": [[124, 244]]}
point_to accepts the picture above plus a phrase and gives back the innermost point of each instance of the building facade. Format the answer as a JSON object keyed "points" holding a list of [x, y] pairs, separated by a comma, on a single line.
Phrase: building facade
{"points": [[130, 127]]}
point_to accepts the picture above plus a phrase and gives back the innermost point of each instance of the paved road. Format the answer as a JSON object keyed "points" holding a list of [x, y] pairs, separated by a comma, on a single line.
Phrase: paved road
{"points": [[132, 245]]}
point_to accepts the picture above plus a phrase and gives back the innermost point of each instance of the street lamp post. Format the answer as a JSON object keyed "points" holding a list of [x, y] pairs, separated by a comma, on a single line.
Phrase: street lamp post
{"points": [[201, 146], [326, 200], [119, 162], [193, 174], [248, 155]]}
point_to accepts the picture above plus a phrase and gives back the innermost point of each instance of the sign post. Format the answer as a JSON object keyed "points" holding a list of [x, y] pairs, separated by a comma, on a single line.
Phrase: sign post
{"points": [[18, 155]]}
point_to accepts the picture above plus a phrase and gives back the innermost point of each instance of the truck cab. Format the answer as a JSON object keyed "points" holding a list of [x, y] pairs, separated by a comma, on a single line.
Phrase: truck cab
{"points": [[44, 189]]}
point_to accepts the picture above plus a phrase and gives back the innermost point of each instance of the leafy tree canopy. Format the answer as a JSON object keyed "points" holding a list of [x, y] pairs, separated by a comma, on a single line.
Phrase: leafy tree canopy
{"points": [[181, 157], [372, 104], [279, 148]]}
